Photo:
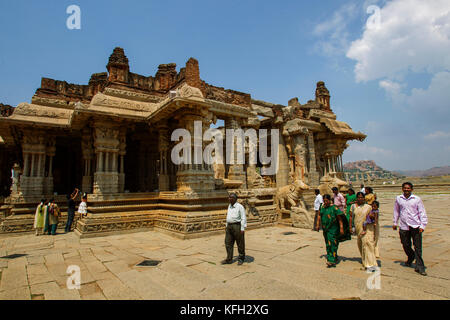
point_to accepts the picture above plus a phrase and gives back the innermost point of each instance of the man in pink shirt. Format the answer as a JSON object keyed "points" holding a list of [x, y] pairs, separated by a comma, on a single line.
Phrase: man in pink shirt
{"points": [[411, 217], [339, 200]]}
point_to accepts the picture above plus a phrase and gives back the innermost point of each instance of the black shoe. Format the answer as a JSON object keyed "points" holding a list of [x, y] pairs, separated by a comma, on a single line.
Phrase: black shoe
{"points": [[226, 261], [423, 273], [240, 262], [407, 264]]}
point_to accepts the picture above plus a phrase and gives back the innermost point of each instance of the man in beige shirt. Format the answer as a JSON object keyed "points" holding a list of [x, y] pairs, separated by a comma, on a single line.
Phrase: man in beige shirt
{"points": [[236, 224]]}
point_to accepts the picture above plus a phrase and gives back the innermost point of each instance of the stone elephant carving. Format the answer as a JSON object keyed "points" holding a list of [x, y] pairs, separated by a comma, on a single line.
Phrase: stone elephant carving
{"points": [[292, 194], [328, 182]]}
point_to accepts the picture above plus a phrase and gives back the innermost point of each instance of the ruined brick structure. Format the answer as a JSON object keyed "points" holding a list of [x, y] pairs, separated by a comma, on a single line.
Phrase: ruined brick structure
{"points": [[111, 139]]}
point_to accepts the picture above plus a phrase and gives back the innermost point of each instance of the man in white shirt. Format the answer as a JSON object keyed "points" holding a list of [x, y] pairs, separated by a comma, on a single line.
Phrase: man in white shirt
{"points": [[236, 224], [363, 190], [318, 202]]}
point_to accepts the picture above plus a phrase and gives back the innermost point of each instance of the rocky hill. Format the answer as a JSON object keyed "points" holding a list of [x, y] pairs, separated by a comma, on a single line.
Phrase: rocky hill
{"points": [[436, 171], [368, 167]]}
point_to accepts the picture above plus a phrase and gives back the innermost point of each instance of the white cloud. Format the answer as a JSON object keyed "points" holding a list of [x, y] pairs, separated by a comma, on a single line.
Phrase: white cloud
{"points": [[437, 135], [335, 31], [414, 35], [435, 97]]}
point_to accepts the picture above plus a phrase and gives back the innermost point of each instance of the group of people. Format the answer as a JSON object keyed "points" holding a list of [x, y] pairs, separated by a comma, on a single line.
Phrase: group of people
{"points": [[48, 213], [339, 216], [357, 214]]}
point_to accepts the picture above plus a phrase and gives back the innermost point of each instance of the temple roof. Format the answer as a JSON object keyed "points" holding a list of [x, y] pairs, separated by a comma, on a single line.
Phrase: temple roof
{"points": [[121, 94]]}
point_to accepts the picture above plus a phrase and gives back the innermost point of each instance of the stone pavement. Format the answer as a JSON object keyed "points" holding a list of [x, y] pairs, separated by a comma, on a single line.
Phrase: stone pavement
{"points": [[278, 266]]}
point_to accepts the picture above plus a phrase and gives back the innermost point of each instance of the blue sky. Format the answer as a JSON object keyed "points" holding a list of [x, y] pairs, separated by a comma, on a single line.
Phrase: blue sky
{"points": [[390, 80]]}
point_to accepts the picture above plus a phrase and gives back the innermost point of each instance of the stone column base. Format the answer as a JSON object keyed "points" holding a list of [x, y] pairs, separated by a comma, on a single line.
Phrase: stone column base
{"points": [[106, 182], [194, 179], [32, 186], [86, 184]]}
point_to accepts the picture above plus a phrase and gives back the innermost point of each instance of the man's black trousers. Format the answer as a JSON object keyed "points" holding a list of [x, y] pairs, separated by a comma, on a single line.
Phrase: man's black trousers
{"points": [[416, 236], [233, 233]]}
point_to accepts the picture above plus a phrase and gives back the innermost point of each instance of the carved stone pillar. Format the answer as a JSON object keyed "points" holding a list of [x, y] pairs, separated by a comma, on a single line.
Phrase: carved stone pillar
{"points": [[313, 174], [300, 157], [254, 179], [106, 142], [234, 171], [191, 176], [122, 152], [163, 149], [26, 164], [88, 155], [34, 147], [50, 153]]}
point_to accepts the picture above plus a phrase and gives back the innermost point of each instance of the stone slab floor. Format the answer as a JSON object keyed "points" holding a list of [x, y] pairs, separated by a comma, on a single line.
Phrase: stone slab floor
{"points": [[278, 266]]}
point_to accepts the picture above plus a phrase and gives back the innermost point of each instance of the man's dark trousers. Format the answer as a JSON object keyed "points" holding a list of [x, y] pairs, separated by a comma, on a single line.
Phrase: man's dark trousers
{"points": [[233, 233], [70, 216], [416, 236], [315, 220]]}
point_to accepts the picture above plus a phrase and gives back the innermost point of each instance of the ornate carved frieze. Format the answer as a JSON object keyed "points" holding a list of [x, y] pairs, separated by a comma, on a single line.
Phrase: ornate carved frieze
{"points": [[104, 100], [26, 109]]}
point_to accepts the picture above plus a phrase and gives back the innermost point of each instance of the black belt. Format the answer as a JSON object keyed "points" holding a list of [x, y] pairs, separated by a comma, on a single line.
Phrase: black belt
{"points": [[233, 223]]}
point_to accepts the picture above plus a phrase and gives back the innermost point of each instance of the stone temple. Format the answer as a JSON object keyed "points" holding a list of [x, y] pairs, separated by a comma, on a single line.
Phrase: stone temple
{"points": [[112, 139]]}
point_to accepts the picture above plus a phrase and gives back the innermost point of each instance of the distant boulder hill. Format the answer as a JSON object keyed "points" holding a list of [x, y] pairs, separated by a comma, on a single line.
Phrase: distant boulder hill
{"points": [[436, 171], [376, 172], [368, 167]]}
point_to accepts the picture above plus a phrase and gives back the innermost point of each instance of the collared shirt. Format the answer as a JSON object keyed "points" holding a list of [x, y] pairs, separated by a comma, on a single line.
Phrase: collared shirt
{"points": [[318, 202], [363, 190], [409, 212], [236, 213], [339, 201]]}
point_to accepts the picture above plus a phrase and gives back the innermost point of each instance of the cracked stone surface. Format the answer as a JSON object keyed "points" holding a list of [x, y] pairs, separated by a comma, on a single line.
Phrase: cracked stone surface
{"points": [[277, 266]]}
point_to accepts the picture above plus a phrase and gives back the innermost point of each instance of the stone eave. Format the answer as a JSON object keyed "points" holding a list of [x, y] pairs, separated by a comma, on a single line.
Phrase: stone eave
{"points": [[81, 114], [342, 129], [170, 105], [227, 109], [301, 126], [34, 121]]}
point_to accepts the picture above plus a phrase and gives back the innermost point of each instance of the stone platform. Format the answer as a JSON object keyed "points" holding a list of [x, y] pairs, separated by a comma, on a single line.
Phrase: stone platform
{"points": [[180, 214]]}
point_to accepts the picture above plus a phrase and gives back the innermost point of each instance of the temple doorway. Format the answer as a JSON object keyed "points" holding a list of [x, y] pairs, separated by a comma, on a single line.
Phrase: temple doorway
{"points": [[67, 165]]}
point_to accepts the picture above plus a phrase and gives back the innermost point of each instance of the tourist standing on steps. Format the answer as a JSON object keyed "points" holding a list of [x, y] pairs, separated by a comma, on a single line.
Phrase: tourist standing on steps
{"points": [[363, 190], [71, 209], [82, 208], [335, 229], [39, 216], [410, 216], [365, 240], [54, 213], [318, 202], [236, 224], [338, 199]]}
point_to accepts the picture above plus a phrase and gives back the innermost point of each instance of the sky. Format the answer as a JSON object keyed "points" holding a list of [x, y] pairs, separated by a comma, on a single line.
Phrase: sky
{"points": [[385, 63]]}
